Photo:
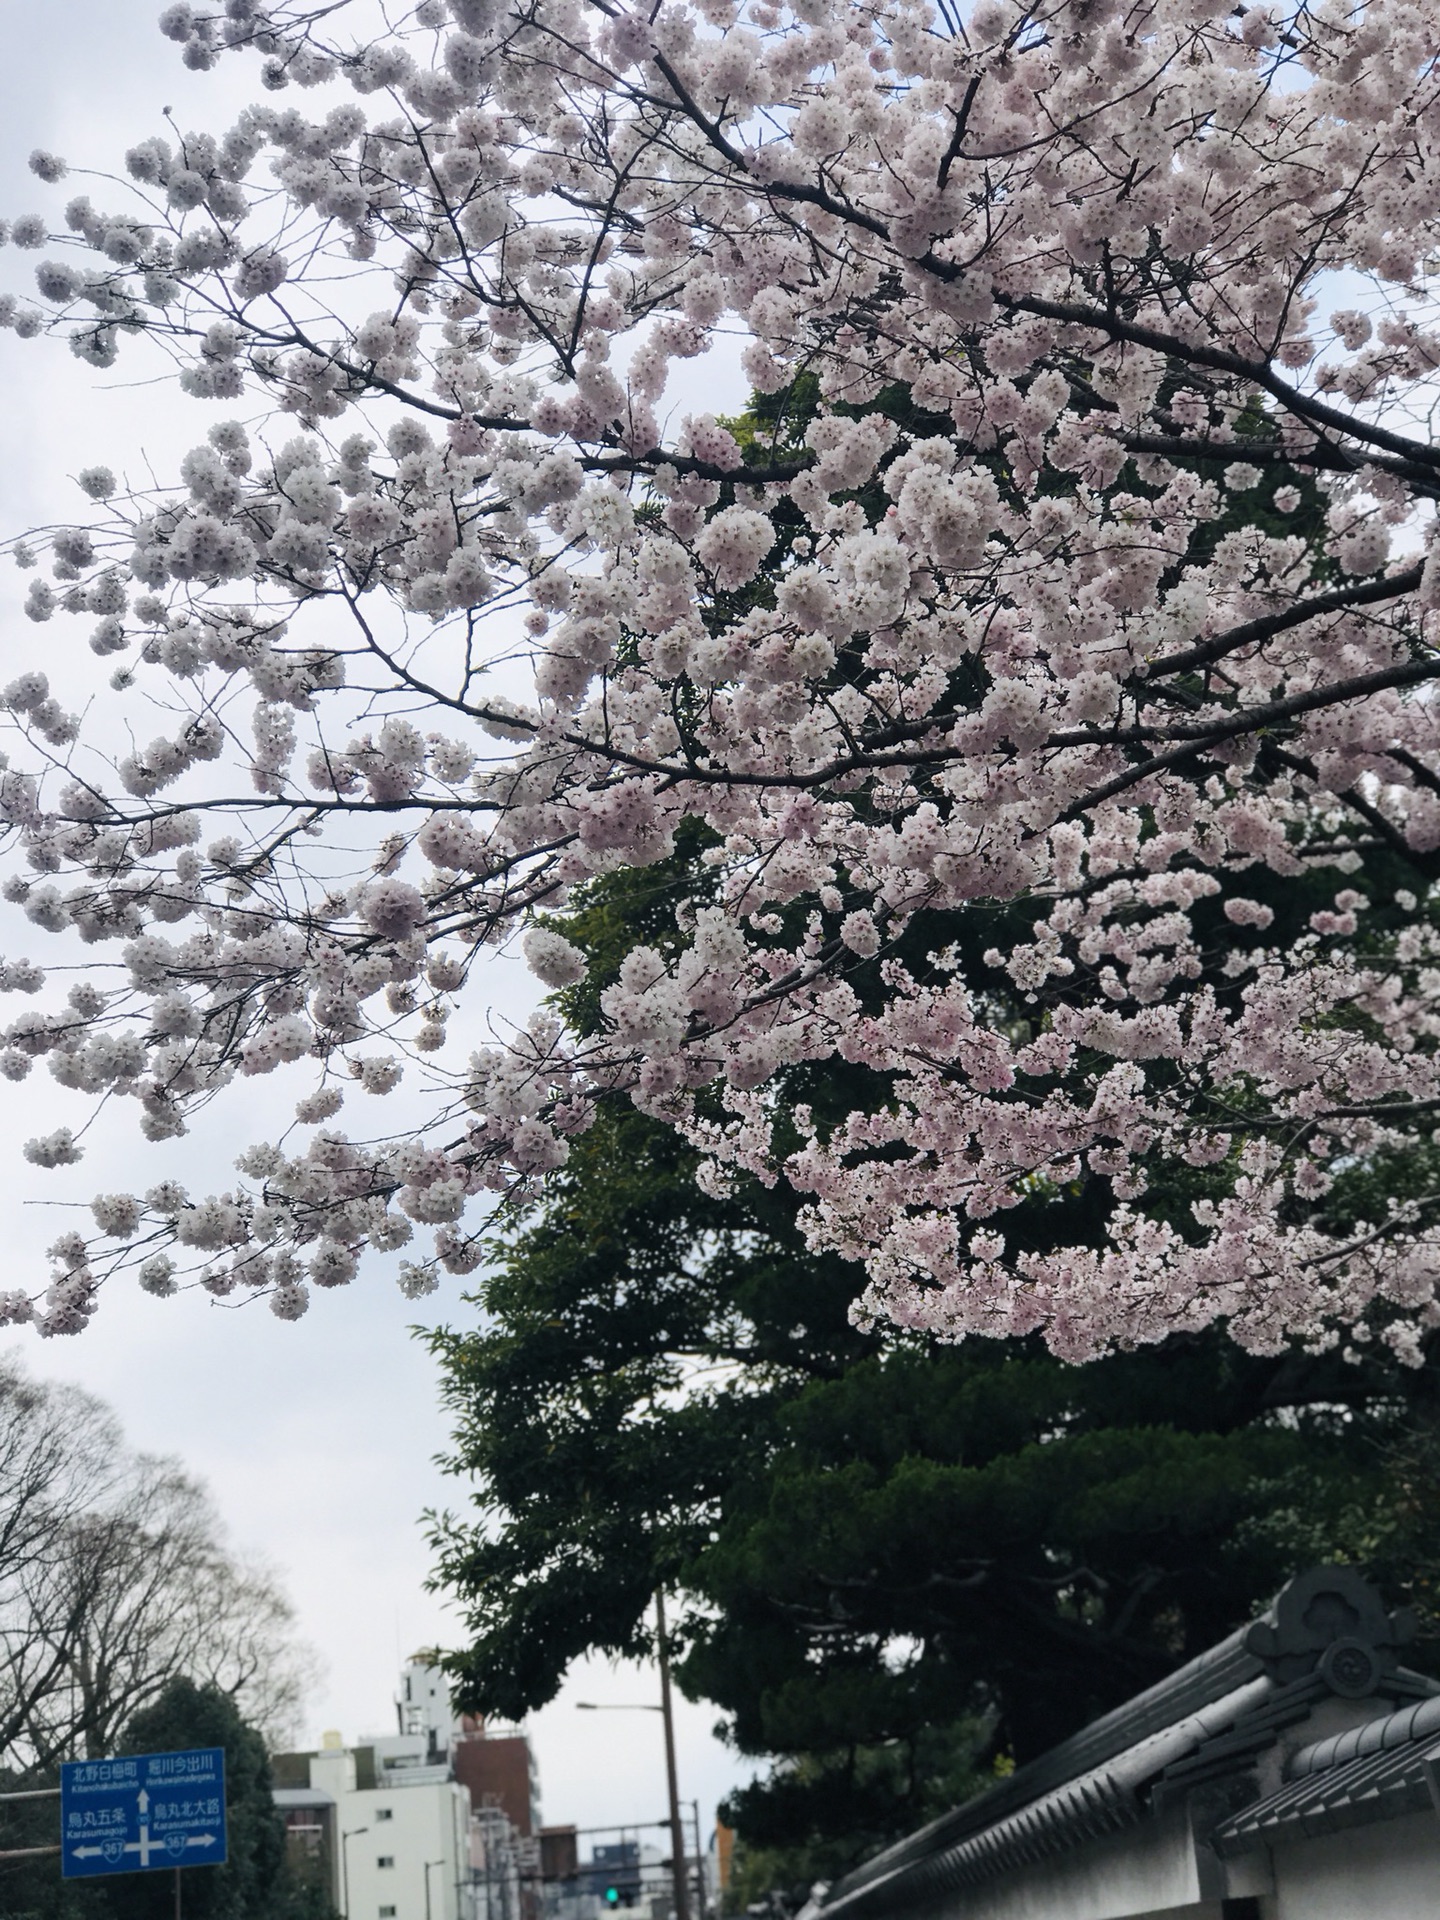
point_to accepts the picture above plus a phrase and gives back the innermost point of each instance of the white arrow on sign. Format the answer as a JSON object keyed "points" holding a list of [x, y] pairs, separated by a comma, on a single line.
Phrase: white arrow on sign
{"points": [[146, 1845], [144, 1801]]}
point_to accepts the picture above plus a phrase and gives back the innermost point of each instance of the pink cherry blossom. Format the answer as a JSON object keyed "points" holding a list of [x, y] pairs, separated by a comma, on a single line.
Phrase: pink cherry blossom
{"points": [[1083, 625]]}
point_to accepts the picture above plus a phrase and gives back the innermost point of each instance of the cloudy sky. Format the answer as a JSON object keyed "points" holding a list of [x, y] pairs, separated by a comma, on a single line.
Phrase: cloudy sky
{"points": [[318, 1439]]}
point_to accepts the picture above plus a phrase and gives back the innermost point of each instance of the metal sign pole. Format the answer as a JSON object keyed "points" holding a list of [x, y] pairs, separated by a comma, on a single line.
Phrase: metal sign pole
{"points": [[30, 1793]]}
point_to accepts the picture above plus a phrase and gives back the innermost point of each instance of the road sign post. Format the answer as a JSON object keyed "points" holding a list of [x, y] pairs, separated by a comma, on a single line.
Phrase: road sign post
{"points": [[143, 1813]]}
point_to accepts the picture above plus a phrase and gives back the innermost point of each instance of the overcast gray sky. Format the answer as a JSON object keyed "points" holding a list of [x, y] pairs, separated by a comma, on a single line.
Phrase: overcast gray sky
{"points": [[318, 1439]]}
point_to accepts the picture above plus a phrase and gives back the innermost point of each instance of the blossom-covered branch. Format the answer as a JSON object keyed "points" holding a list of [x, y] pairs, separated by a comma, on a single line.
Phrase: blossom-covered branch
{"points": [[1059, 622]]}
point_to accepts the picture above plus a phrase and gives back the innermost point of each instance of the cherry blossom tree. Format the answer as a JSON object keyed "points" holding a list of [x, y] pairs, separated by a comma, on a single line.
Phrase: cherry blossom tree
{"points": [[457, 588]]}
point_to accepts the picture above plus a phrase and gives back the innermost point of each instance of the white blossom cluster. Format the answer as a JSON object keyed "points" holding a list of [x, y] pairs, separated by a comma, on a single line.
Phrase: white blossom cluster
{"points": [[1090, 595]]}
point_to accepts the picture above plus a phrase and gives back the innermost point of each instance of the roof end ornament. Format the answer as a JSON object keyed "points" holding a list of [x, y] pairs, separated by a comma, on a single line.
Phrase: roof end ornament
{"points": [[1331, 1621]]}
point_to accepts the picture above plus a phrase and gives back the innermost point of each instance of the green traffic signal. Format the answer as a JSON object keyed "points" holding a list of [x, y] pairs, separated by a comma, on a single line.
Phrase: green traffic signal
{"points": [[612, 1896]]}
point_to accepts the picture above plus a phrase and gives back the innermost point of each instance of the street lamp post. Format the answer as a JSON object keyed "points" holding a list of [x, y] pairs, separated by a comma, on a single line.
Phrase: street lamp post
{"points": [[678, 1864], [345, 1840], [428, 1865]]}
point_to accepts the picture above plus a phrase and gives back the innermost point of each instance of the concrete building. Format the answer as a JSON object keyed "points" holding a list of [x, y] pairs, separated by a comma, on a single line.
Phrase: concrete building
{"points": [[403, 1833], [418, 1824], [423, 1707], [498, 1767], [1290, 1773]]}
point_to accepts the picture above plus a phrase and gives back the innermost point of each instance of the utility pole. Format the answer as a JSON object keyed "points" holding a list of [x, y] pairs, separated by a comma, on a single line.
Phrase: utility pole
{"points": [[677, 1831], [702, 1903]]}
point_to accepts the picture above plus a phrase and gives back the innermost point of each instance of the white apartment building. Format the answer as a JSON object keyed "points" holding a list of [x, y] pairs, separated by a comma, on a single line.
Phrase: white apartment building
{"points": [[401, 1845], [434, 1821]]}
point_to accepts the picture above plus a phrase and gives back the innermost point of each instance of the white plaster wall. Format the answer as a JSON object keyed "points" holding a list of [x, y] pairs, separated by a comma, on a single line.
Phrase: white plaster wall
{"points": [[1140, 1874], [1386, 1872]]}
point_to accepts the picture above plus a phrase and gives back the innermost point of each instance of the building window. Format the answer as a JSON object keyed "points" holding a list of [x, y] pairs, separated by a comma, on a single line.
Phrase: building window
{"points": [[387, 1913], [384, 1813], [386, 1860]]}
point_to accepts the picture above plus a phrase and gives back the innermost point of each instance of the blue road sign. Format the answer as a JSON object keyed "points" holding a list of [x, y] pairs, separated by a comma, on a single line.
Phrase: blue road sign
{"points": [[147, 1811]]}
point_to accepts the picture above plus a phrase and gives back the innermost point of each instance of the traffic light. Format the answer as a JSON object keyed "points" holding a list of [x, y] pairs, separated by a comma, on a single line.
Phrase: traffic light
{"points": [[614, 1876]]}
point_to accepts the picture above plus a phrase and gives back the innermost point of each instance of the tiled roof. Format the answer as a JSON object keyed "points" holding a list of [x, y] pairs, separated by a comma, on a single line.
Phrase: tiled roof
{"points": [[1377, 1771], [1103, 1800], [1327, 1634], [1214, 1675]]}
